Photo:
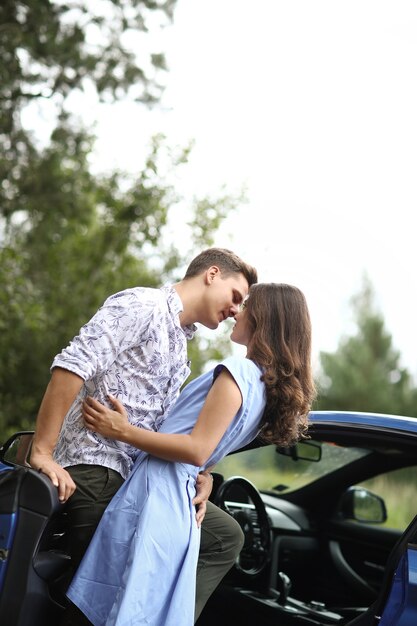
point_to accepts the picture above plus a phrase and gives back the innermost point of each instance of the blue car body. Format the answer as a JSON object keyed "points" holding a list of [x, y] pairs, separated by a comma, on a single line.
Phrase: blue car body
{"points": [[397, 601], [371, 421], [401, 607]]}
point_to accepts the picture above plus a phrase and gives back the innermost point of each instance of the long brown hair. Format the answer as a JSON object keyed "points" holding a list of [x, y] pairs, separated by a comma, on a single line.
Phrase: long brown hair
{"points": [[281, 346]]}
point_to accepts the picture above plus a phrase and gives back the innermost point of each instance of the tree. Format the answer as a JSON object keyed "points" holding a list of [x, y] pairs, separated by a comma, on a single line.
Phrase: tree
{"points": [[69, 238], [79, 239], [364, 374], [49, 49]]}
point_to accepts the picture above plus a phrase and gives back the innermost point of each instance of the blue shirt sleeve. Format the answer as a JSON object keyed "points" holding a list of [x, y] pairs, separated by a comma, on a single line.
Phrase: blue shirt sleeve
{"points": [[244, 371]]}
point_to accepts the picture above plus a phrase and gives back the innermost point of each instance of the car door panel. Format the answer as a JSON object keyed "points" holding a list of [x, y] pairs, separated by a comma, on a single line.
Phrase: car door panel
{"points": [[359, 552]]}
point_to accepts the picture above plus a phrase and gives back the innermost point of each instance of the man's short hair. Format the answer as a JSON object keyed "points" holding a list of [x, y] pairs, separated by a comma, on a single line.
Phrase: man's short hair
{"points": [[227, 261]]}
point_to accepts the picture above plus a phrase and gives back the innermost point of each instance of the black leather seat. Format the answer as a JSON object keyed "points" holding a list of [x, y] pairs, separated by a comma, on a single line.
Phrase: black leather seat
{"points": [[28, 503]]}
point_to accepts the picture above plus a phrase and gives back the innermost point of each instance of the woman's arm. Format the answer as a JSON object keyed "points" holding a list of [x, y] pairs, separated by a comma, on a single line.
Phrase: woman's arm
{"points": [[222, 403]]}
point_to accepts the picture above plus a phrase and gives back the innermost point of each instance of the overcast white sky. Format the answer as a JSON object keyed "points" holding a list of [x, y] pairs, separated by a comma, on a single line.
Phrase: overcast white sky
{"points": [[313, 105]]}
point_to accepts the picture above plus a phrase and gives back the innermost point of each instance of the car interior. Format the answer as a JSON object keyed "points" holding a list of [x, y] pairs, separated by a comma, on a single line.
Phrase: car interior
{"points": [[320, 546], [332, 552]]}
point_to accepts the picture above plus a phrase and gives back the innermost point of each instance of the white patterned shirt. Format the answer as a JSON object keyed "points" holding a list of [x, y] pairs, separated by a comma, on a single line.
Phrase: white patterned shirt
{"points": [[134, 349]]}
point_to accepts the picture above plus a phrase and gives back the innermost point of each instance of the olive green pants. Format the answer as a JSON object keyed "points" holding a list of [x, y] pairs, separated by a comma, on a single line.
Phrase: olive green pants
{"points": [[221, 536]]}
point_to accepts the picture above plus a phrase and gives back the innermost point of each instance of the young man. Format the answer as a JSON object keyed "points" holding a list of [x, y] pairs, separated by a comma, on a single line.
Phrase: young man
{"points": [[135, 348]]}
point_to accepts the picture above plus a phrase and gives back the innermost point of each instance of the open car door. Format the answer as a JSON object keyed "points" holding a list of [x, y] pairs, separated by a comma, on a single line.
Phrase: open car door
{"points": [[30, 555], [397, 601]]}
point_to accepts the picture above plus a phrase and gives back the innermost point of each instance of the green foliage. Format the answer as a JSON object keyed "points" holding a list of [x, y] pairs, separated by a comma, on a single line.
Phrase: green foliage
{"points": [[207, 217], [48, 49], [68, 238], [75, 240], [398, 490], [364, 374]]}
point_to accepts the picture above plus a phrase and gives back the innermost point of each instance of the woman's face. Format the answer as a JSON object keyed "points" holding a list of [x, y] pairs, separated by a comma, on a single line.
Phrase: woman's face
{"points": [[242, 332]]}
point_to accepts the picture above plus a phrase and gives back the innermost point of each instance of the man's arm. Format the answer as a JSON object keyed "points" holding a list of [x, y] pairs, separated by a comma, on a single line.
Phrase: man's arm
{"points": [[61, 392]]}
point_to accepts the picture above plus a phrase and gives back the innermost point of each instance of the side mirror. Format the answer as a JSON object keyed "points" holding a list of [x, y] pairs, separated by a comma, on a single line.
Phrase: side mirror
{"points": [[361, 505], [16, 450]]}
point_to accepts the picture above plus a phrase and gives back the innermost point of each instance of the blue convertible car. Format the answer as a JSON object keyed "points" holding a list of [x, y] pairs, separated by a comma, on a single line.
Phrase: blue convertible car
{"points": [[330, 530]]}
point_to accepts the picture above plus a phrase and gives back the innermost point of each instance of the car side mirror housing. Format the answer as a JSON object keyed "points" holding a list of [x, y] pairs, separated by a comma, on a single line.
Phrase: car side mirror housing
{"points": [[16, 450], [361, 505]]}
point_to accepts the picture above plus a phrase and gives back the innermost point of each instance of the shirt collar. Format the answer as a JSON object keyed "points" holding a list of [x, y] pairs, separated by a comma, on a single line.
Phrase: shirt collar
{"points": [[176, 307]]}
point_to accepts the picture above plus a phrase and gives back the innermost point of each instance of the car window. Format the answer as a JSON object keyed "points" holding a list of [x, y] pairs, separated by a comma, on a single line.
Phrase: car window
{"points": [[398, 489], [272, 471]]}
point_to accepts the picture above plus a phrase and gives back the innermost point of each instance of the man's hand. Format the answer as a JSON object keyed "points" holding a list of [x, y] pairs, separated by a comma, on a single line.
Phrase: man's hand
{"points": [[204, 485], [58, 475], [105, 421]]}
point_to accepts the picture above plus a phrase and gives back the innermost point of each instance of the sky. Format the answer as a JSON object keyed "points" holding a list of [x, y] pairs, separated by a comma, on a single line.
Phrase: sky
{"points": [[311, 105]]}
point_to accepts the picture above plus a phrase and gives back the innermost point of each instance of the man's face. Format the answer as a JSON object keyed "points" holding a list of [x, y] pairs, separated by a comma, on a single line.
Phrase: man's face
{"points": [[223, 297]]}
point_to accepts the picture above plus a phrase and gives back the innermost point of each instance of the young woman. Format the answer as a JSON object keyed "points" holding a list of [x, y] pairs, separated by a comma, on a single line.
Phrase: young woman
{"points": [[140, 567]]}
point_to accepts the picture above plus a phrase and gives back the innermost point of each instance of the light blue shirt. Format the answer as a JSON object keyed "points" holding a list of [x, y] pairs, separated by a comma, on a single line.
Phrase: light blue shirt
{"points": [[135, 349], [140, 567]]}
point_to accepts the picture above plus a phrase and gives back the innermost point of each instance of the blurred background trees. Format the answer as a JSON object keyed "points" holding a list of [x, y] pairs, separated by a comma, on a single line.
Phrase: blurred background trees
{"points": [[364, 373], [69, 237]]}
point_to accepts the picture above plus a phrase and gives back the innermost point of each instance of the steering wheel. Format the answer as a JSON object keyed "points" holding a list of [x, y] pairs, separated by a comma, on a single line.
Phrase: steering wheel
{"points": [[253, 520]]}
